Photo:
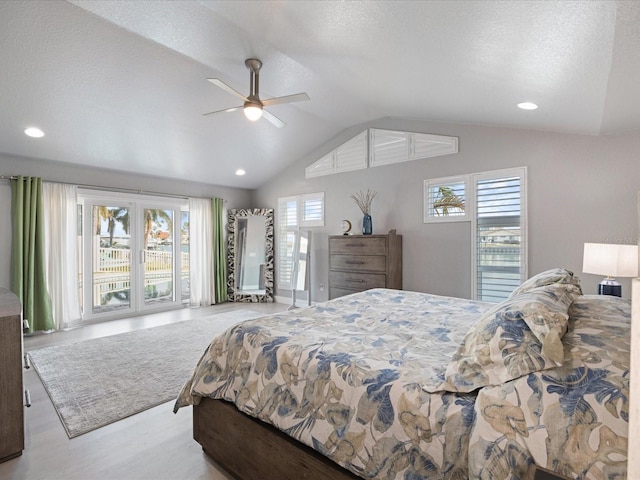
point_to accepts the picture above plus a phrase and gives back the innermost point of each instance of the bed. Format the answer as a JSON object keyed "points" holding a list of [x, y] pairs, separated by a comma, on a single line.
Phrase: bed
{"points": [[388, 384]]}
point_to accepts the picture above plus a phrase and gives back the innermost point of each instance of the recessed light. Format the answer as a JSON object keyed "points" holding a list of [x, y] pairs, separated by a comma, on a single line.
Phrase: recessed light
{"points": [[34, 132], [527, 106], [240, 172]]}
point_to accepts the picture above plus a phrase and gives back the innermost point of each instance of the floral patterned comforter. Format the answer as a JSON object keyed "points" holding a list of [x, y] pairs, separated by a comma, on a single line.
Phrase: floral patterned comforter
{"points": [[571, 419], [344, 377]]}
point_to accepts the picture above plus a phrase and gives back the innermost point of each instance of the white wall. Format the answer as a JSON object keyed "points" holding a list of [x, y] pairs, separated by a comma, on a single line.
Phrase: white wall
{"points": [[580, 189], [62, 172]]}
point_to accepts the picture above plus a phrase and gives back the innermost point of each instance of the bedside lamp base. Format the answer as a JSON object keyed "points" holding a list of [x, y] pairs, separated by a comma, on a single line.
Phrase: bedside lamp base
{"points": [[609, 286]]}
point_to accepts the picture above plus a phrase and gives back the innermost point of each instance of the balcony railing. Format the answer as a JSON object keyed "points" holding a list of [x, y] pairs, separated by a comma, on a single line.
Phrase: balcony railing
{"points": [[113, 266], [111, 260]]}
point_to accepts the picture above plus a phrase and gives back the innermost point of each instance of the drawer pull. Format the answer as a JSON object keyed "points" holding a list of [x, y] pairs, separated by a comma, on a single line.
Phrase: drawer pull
{"points": [[354, 245], [27, 398], [354, 262], [353, 280]]}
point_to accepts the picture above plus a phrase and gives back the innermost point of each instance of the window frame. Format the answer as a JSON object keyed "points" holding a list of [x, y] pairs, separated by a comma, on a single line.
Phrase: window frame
{"points": [[520, 172], [300, 201], [310, 197], [429, 217], [471, 216]]}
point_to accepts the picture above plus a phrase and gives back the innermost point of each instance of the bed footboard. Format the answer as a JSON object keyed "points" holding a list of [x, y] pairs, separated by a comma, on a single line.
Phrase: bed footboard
{"points": [[250, 449]]}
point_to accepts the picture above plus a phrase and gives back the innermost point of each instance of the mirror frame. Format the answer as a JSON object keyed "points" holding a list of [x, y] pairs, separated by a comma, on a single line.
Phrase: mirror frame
{"points": [[232, 295]]}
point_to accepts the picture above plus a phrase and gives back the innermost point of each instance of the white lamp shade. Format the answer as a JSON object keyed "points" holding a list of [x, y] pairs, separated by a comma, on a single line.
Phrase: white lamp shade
{"points": [[613, 260]]}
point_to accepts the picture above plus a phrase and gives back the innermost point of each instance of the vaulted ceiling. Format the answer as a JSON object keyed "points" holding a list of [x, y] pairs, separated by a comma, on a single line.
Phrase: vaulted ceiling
{"points": [[122, 84]]}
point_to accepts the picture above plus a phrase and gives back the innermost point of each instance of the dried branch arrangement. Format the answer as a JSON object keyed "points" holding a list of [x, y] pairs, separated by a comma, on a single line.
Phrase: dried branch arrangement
{"points": [[363, 200]]}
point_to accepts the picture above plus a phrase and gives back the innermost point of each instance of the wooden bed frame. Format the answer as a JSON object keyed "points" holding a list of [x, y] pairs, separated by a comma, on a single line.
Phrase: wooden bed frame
{"points": [[250, 449], [253, 450]]}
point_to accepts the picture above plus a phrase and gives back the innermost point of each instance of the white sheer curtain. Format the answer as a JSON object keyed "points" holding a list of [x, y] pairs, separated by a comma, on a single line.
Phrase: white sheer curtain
{"points": [[201, 252], [61, 251]]}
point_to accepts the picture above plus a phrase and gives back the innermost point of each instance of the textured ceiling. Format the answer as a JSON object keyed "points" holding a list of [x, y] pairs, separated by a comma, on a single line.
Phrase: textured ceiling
{"points": [[122, 84]]}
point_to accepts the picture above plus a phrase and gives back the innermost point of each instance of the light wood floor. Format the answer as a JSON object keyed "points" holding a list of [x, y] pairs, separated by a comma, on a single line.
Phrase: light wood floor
{"points": [[156, 444]]}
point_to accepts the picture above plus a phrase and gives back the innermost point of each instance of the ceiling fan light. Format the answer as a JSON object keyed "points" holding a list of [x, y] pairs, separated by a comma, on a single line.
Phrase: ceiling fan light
{"points": [[253, 112]]}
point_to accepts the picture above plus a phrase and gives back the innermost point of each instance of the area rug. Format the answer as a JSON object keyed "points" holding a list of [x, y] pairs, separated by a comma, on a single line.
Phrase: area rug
{"points": [[97, 382]]}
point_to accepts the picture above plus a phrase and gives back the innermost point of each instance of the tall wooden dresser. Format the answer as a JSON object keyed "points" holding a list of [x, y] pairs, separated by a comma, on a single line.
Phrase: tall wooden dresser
{"points": [[11, 393], [361, 262]]}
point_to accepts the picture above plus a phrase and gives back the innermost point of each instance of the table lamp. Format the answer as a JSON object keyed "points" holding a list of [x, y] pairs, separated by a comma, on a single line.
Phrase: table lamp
{"points": [[612, 260]]}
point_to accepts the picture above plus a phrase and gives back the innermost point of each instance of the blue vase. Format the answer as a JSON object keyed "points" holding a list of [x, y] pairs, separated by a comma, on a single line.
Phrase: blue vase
{"points": [[367, 225]]}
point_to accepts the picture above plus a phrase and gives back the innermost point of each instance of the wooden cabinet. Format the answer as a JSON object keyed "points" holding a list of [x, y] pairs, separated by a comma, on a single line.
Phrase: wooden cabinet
{"points": [[361, 262], [11, 392]]}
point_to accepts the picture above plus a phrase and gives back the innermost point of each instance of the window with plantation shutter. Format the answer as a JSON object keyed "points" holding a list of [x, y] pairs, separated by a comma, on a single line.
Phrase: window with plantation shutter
{"points": [[495, 204], [445, 199], [293, 213], [499, 229], [312, 210]]}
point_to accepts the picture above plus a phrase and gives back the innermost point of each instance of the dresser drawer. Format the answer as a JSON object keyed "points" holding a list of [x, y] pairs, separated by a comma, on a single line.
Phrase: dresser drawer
{"points": [[356, 281], [358, 245], [340, 292], [358, 263]]}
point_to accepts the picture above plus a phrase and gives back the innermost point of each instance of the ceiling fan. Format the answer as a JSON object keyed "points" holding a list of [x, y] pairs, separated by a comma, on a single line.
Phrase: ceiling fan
{"points": [[254, 107]]}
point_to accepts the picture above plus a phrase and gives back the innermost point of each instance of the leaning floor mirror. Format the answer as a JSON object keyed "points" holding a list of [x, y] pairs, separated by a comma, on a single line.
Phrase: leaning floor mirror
{"points": [[250, 258]]}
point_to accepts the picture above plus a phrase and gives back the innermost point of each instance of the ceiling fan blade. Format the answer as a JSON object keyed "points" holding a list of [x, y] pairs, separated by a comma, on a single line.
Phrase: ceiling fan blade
{"points": [[219, 83], [298, 97], [232, 109], [273, 119]]}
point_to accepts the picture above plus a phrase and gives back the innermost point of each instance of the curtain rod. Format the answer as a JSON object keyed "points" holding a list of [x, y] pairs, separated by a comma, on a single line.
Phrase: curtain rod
{"points": [[110, 189]]}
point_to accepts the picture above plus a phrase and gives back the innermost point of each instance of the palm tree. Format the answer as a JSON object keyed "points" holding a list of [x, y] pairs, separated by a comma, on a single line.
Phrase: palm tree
{"points": [[100, 212], [447, 199], [153, 216], [121, 215], [111, 215]]}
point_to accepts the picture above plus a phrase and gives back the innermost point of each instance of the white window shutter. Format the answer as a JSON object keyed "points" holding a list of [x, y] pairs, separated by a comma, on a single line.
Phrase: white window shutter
{"points": [[287, 225], [500, 234], [387, 147], [293, 213], [312, 210], [424, 145], [352, 155], [324, 166]]}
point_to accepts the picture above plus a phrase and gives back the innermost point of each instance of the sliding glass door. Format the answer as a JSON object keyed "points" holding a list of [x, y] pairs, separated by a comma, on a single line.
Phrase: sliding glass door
{"points": [[158, 256], [109, 251], [135, 255]]}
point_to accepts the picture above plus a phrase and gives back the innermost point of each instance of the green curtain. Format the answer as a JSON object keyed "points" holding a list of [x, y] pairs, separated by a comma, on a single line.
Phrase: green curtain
{"points": [[219, 256], [28, 279]]}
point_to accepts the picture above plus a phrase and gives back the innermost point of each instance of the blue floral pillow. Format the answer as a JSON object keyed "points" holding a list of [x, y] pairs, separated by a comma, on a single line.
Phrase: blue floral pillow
{"points": [[548, 277], [519, 336]]}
